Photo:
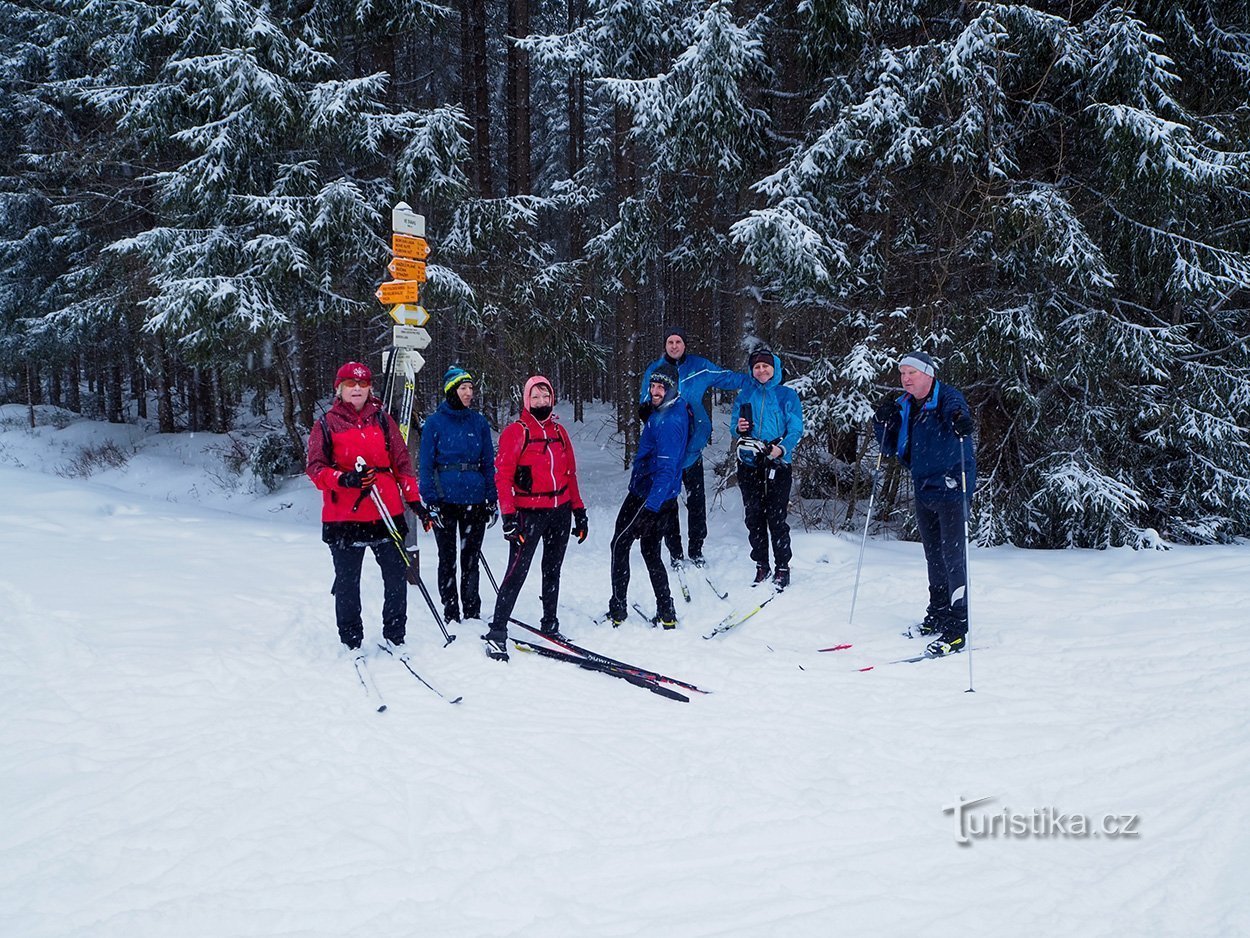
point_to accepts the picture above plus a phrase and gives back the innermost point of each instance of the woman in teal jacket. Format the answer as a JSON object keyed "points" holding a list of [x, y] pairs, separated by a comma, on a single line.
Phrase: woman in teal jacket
{"points": [[768, 417]]}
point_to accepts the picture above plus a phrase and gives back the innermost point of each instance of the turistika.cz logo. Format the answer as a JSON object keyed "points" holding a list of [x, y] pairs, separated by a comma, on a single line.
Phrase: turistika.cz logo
{"points": [[1037, 824]]}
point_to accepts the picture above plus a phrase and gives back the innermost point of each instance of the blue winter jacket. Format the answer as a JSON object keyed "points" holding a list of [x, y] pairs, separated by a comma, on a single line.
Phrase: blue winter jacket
{"points": [[457, 458], [776, 414], [928, 445], [657, 466], [695, 374]]}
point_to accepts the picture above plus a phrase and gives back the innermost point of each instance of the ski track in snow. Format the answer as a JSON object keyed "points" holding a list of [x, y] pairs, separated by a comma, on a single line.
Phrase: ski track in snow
{"points": [[187, 751]]}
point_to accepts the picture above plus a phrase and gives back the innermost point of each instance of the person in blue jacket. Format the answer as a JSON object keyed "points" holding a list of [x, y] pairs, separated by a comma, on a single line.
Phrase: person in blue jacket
{"points": [[769, 420], [651, 503], [456, 463], [695, 375], [929, 428]]}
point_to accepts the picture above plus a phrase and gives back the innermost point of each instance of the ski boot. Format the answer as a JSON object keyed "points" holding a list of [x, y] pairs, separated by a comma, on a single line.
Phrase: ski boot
{"points": [[781, 578], [762, 573], [666, 616], [948, 644], [496, 644], [698, 559], [549, 628]]}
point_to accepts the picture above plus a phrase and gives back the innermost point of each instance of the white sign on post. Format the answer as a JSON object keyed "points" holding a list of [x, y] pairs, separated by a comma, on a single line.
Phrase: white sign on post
{"points": [[405, 221], [409, 337]]}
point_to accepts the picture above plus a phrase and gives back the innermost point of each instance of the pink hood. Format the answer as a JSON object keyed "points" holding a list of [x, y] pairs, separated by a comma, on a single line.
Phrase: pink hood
{"points": [[529, 386]]}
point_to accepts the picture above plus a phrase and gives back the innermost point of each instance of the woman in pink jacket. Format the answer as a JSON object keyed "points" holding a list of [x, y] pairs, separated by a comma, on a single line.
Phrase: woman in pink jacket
{"points": [[536, 478]]}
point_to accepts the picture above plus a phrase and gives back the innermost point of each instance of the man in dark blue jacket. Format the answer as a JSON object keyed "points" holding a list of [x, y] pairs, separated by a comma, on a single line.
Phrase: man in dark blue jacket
{"points": [[457, 476], [650, 506], [695, 375], [929, 429]]}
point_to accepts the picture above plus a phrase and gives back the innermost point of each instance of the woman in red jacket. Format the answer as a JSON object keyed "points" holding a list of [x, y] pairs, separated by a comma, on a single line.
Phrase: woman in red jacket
{"points": [[536, 477], [357, 426]]}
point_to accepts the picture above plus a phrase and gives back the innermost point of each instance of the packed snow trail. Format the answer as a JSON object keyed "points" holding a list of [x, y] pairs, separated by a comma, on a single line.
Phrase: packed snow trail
{"points": [[185, 752]]}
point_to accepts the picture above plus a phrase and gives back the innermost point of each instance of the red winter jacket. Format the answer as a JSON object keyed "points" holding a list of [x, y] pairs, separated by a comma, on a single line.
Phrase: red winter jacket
{"points": [[353, 434], [544, 453]]}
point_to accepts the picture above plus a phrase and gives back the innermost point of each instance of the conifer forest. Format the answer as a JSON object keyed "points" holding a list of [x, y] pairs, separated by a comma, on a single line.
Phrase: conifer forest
{"points": [[1051, 198]]}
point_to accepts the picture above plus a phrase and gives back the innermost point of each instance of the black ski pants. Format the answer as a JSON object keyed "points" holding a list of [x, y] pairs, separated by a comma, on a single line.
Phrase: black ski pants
{"points": [[348, 559], [551, 527], [632, 525], [464, 527], [696, 514], [941, 526], [766, 500]]}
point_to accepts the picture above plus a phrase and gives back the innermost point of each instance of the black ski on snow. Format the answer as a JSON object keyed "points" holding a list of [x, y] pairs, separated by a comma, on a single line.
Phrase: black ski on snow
{"points": [[924, 657], [367, 682], [680, 568], [610, 662], [589, 665], [404, 660]]}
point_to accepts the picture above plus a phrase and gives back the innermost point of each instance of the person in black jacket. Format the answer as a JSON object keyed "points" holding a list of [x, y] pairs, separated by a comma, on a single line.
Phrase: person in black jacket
{"points": [[929, 428]]}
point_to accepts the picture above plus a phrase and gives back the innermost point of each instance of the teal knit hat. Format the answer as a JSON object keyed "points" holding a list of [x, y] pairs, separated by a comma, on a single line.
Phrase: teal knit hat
{"points": [[455, 377]]}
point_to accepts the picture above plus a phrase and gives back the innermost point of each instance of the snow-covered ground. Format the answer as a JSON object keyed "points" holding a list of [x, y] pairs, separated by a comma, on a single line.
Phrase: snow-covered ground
{"points": [[186, 751]]}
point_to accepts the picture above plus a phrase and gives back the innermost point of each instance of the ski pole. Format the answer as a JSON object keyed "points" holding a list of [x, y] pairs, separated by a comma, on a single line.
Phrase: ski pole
{"points": [[490, 576], [966, 498], [872, 494], [412, 559]]}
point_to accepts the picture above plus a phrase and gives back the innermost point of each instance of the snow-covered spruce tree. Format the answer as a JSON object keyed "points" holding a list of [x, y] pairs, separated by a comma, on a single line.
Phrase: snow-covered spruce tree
{"points": [[271, 170], [1053, 202], [670, 88], [41, 214]]}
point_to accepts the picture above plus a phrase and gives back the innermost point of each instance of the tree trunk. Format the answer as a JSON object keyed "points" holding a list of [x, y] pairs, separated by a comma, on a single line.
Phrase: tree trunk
{"points": [[287, 389], [165, 382], [115, 410], [30, 395], [518, 105], [73, 391], [475, 93]]}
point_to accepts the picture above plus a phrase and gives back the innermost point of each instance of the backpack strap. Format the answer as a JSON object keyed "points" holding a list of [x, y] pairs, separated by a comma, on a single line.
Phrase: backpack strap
{"points": [[327, 441]]}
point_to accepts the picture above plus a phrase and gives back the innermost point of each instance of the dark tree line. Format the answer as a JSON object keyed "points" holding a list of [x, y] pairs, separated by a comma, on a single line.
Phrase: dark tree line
{"points": [[1051, 198]]}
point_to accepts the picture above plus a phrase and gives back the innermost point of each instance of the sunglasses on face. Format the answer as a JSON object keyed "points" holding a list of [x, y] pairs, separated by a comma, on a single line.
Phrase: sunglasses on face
{"points": [[357, 382]]}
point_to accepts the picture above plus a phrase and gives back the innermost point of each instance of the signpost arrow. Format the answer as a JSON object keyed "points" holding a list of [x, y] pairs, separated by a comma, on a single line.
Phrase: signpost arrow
{"points": [[402, 268], [403, 245], [408, 315], [409, 337], [398, 291]]}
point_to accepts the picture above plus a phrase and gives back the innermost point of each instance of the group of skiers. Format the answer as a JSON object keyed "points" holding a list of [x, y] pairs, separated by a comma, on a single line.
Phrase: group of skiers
{"points": [[531, 484]]}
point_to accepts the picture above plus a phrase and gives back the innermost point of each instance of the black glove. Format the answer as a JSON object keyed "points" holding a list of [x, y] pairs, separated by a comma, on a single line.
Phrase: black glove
{"points": [[512, 528], [961, 423], [491, 513], [887, 411], [580, 526], [356, 479], [424, 514], [644, 410]]}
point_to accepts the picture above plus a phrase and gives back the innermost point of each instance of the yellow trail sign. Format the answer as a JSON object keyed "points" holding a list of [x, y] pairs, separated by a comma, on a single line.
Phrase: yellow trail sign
{"points": [[402, 268], [398, 291], [407, 246]]}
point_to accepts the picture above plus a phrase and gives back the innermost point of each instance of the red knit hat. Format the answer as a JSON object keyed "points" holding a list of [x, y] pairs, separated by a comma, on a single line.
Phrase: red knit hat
{"points": [[353, 370]]}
